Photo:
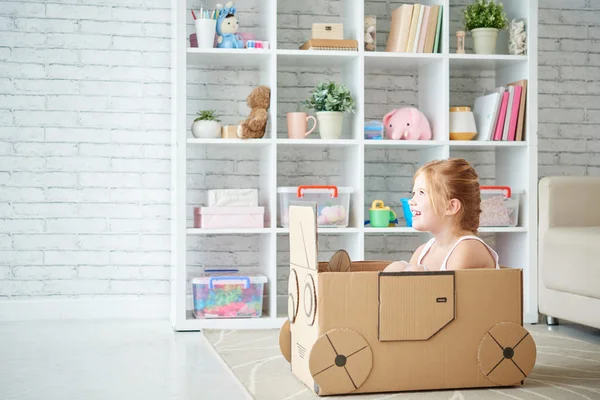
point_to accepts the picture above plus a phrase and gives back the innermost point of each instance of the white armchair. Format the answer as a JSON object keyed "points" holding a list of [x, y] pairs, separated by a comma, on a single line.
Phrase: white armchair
{"points": [[569, 249]]}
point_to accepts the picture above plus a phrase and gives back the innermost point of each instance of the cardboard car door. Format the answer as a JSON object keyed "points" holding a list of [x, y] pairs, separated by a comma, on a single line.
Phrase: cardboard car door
{"points": [[414, 305]]}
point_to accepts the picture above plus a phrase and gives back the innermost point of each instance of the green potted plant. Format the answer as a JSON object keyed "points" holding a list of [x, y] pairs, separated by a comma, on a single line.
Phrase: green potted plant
{"points": [[484, 19], [206, 125], [330, 101]]}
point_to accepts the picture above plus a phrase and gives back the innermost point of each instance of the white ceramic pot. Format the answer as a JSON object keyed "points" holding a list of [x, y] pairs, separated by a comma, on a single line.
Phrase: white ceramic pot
{"points": [[206, 129], [462, 123], [484, 40], [330, 124]]}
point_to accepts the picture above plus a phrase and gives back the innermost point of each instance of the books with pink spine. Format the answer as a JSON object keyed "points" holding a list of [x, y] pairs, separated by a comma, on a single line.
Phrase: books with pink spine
{"points": [[500, 123], [512, 128]]}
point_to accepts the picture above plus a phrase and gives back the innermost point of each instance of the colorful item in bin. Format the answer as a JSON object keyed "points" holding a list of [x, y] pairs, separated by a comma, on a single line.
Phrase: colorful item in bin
{"points": [[233, 198], [229, 217], [374, 130], [332, 215], [407, 123], [228, 294], [407, 212], [333, 203], [257, 44], [380, 215], [498, 208], [227, 27]]}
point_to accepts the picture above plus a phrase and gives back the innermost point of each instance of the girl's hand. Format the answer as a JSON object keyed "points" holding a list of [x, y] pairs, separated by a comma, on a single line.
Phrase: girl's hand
{"points": [[397, 266]]}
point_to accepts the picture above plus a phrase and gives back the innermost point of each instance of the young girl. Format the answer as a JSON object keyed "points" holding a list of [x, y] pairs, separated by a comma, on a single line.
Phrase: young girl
{"points": [[446, 202]]}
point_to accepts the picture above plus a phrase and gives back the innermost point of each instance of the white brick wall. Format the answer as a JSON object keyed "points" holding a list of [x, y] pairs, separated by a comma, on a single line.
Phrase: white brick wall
{"points": [[84, 132], [84, 137]]}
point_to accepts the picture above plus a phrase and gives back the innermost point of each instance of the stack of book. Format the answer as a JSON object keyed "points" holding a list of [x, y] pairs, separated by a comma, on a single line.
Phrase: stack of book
{"points": [[500, 114], [416, 28], [330, 44]]}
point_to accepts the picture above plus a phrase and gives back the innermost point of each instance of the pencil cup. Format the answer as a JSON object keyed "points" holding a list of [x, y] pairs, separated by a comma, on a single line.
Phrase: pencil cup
{"points": [[205, 32]]}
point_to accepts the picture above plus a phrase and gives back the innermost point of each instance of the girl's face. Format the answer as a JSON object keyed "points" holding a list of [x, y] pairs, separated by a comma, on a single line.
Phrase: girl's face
{"points": [[424, 217]]}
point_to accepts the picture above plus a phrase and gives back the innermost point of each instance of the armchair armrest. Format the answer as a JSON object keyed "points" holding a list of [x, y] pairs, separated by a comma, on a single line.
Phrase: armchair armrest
{"points": [[568, 201]]}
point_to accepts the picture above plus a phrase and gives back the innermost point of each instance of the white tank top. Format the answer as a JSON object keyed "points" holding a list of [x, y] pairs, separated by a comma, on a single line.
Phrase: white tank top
{"points": [[443, 266]]}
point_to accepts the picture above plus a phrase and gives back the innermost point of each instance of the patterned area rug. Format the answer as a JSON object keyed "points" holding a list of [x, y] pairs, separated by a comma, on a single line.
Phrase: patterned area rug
{"points": [[566, 368]]}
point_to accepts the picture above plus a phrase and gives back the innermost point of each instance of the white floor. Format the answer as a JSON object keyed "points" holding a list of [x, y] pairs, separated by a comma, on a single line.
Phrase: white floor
{"points": [[110, 360], [127, 360]]}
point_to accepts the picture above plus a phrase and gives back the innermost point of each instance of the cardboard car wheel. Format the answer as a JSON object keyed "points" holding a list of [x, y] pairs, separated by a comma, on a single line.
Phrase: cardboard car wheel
{"points": [[339, 262], [285, 341], [340, 361], [309, 296], [506, 354], [293, 296]]}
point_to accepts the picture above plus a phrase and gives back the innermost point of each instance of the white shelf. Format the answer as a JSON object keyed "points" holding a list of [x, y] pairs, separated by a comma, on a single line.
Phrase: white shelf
{"points": [[484, 61], [403, 229], [227, 57], [317, 142], [483, 144], [407, 144], [270, 159], [315, 58], [203, 231], [192, 323], [321, 230], [231, 142], [400, 61]]}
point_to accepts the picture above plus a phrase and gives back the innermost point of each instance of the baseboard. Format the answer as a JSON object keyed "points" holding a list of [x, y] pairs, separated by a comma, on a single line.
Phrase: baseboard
{"points": [[134, 307]]}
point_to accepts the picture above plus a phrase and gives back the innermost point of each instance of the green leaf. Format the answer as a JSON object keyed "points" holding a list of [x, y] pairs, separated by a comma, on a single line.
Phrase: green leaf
{"points": [[329, 96], [207, 115], [485, 14]]}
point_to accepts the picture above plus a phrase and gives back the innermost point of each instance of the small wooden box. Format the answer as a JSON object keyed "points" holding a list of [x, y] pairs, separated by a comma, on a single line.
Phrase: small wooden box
{"points": [[229, 132], [328, 31]]}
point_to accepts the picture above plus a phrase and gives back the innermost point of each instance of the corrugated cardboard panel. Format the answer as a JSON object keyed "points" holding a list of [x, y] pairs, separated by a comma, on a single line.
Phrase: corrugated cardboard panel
{"points": [[337, 352], [414, 306], [507, 353], [303, 260], [303, 236], [449, 359], [350, 301]]}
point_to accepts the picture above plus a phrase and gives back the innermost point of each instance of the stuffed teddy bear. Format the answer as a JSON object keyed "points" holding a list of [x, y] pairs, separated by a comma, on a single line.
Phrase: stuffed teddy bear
{"points": [[227, 27], [254, 126]]}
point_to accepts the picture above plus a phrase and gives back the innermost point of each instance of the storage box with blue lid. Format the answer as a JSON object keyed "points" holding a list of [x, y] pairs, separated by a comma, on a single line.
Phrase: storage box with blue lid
{"points": [[228, 293]]}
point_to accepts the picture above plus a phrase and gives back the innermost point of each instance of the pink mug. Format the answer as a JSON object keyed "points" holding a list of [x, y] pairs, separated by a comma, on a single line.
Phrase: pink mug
{"points": [[298, 123]]}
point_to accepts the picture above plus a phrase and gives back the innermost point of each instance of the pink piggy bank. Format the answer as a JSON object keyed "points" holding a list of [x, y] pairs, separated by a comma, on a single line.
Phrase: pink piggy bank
{"points": [[407, 123]]}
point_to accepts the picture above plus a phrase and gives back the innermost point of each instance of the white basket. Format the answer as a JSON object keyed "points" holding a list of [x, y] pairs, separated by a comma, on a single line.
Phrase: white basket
{"points": [[333, 203]]}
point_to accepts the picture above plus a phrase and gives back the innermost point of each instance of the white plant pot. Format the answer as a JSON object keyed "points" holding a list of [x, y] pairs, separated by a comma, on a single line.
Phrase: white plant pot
{"points": [[206, 129], [484, 40], [330, 124]]}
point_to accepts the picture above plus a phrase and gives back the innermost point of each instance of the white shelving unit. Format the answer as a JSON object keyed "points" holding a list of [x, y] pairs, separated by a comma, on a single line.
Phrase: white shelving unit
{"points": [[515, 166]]}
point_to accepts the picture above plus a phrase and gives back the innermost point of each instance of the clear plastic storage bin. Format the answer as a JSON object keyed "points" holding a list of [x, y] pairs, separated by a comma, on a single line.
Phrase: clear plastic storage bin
{"points": [[333, 203], [499, 205], [228, 294]]}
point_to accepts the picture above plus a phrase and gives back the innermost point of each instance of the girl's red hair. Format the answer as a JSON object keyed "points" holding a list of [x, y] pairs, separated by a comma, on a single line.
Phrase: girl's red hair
{"points": [[454, 178]]}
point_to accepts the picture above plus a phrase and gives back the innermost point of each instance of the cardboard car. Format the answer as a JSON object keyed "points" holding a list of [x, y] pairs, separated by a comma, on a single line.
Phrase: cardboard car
{"points": [[352, 328]]}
